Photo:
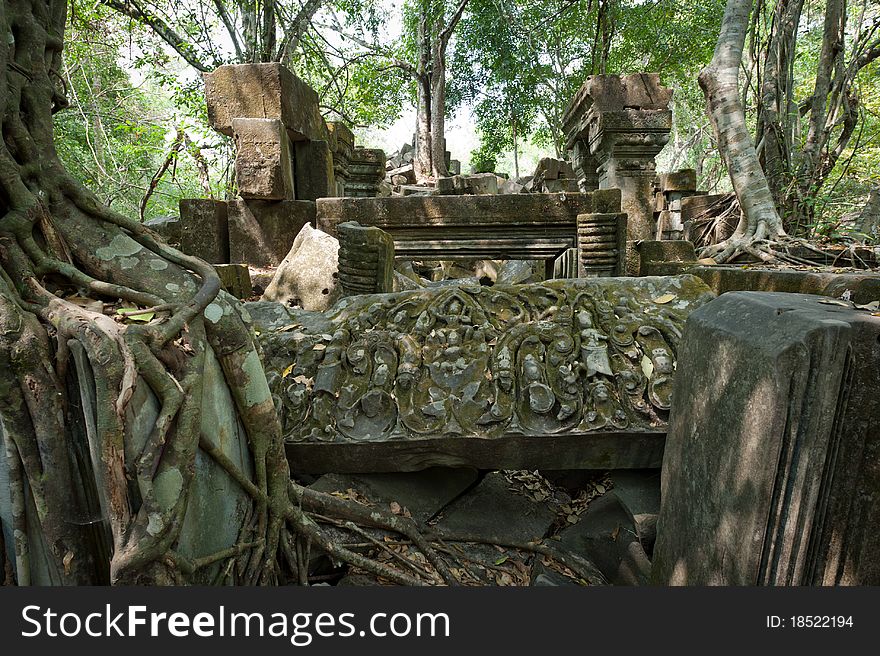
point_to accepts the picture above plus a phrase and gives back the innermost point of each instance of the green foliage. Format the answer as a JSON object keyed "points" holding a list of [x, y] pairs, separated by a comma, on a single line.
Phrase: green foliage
{"points": [[483, 160], [114, 135], [520, 62]]}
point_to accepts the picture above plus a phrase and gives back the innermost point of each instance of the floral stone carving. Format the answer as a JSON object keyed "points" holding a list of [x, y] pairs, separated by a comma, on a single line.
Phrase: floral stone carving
{"points": [[566, 357]]}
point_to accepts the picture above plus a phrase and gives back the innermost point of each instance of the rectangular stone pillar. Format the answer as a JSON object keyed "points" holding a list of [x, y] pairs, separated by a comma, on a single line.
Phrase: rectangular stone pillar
{"points": [[203, 229], [263, 167], [771, 472], [313, 170]]}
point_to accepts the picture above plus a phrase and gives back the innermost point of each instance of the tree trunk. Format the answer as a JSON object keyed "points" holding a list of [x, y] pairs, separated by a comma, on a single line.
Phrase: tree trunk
{"points": [[868, 221], [720, 84], [423, 144], [438, 115], [776, 111]]}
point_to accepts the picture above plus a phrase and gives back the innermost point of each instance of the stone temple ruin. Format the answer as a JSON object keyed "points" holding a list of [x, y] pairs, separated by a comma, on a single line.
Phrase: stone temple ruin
{"points": [[400, 345]]}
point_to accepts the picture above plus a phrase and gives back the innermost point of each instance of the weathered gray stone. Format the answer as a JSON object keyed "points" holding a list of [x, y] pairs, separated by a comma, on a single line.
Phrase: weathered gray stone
{"points": [[665, 258], [366, 259], [861, 288], [366, 173], [261, 232], [477, 183], [566, 265], [204, 230], [516, 272], [681, 180], [307, 275], [563, 185], [262, 160], [406, 175], [494, 511], [607, 536], [235, 279], [510, 187], [548, 171], [454, 167], [422, 493], [341, 143], [167, 227], [770, 474], [639, 492], [263, 91], [601, 244], [313, 173]]}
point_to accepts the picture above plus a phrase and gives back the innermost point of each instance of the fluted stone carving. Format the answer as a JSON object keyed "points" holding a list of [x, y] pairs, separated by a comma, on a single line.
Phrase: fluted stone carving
{"points": [[366, 259]]}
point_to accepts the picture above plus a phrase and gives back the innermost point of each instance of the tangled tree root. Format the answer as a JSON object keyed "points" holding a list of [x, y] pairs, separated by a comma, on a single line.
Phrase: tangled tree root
{"points": [[777, 250]]}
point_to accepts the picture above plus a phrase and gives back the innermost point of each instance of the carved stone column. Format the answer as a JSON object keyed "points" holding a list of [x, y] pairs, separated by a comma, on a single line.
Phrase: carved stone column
{"points": [[366, 259]]}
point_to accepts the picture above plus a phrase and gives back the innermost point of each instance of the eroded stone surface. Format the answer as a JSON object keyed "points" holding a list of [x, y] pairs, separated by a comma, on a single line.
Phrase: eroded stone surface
{"points": [[366, 259], [307, 276], [261, 232], [204, 230], [263, 91], [263, 167]]}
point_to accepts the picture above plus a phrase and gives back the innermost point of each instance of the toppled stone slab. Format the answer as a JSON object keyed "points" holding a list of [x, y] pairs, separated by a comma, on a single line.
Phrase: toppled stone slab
{"points": [[517, 272], [861, 288], [548, 173], [770, 474], [561, 374], [263, 91], [474, 184], [665, 258], [261, 232], [167, 227], [510, 187], [204, 230], [307, 276], [492, 510], [639, 492], [423, 494], [607, 536]]}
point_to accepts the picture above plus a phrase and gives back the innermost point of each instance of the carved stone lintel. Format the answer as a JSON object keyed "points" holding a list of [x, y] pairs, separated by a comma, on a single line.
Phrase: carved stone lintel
{"points": [[564, 357]]}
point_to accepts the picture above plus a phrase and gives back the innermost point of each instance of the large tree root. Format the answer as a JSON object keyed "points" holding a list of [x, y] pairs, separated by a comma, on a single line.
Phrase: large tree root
{"points": [[777, 249]]}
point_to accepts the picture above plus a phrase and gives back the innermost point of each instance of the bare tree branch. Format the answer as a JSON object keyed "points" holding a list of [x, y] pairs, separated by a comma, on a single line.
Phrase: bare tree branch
{"points": [[133, 10]]}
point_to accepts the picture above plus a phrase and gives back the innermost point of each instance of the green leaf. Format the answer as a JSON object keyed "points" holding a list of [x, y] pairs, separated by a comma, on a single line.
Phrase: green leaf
{"points": [[144, 317]]}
